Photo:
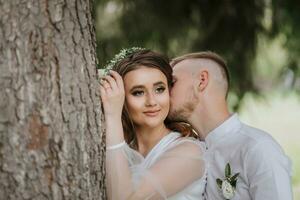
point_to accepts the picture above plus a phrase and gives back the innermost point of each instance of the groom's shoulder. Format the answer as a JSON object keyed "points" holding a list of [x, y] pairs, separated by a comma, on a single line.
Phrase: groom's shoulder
{"points": [[254, 134], [255, 138], [260, 148]]}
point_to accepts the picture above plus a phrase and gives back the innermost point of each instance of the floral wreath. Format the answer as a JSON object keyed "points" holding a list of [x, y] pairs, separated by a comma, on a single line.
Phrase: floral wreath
{"points": [[117, 58]]}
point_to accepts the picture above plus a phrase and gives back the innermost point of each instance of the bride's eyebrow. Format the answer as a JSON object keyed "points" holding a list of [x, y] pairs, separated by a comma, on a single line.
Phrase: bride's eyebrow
{"points": [[159, 83], [142, 86], [137, 87]]}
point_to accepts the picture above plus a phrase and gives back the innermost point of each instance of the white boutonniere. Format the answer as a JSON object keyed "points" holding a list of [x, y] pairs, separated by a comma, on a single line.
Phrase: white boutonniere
{"points": [[228, 185]]}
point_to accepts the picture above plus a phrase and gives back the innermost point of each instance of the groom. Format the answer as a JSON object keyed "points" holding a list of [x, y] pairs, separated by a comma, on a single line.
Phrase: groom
{"points": [[243, 162]]}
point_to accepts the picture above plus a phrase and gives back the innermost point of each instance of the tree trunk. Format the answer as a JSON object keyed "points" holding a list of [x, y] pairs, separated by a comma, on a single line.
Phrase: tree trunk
{"points": [[51, 140]]}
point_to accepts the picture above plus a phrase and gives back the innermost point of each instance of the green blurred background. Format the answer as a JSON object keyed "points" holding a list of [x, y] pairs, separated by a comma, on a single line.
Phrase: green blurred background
{"points": [[259, 39]]}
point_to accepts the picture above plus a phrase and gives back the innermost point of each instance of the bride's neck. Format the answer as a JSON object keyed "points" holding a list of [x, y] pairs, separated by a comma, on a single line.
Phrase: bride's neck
{"points": [[147, 137]]}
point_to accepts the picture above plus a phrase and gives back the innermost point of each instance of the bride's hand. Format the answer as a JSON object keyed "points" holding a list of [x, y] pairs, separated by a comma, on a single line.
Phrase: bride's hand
{"points": [[112, 94]]}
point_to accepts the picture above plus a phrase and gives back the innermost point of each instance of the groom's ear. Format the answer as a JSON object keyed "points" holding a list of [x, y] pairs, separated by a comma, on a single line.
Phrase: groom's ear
{"points": [[203, 78]]}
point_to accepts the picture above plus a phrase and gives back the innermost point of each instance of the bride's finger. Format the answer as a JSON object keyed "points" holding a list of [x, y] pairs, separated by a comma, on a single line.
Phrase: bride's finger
{"points": [[117, 77], [111, 81], [105, 84], [102, 93]]}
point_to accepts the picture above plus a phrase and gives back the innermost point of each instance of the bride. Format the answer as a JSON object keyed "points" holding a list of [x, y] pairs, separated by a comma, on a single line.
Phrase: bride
{"points": [[145, 157]]}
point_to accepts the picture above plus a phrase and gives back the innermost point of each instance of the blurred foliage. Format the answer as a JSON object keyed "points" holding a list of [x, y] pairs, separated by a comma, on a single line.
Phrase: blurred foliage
{"points": [[230, 28], [286, 22]]}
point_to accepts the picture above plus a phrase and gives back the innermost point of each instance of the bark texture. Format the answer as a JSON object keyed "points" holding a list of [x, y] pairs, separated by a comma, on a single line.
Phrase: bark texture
{"points": [[51, 140]]}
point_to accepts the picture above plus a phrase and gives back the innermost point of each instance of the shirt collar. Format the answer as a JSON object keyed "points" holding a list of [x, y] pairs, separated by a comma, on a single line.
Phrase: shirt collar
{"points": [[225, 129]]}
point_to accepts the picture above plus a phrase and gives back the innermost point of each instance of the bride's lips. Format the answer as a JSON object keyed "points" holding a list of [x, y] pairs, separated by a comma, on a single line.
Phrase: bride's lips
{"points": [[152, 113]]}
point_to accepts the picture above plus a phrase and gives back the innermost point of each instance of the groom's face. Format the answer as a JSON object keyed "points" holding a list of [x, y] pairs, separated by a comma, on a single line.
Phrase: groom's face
{"points": [[183, 98]]}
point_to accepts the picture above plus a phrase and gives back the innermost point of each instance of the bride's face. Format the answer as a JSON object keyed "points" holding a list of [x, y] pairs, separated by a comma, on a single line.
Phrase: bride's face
{"points": [[147, 96]]}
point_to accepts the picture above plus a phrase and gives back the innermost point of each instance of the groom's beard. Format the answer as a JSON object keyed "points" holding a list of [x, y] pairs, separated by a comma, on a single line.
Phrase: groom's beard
{"points": [[184, 112]]}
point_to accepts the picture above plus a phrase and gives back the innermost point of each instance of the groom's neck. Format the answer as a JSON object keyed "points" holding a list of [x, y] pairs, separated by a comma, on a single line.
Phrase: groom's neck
{"points": [[206, 120]]}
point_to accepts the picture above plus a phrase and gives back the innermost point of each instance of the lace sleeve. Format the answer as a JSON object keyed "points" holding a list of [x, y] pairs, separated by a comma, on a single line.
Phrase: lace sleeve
{"points": [[173, 170]]}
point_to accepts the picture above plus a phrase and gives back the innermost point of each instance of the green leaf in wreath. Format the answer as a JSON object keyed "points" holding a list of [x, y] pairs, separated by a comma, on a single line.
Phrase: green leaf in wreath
{"points": [[234, 177], [219, 183], [227, 171]]}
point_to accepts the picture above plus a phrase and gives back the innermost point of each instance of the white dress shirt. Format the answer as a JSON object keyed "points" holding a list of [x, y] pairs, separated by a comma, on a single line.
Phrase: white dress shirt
{"points": [[265, 170]]}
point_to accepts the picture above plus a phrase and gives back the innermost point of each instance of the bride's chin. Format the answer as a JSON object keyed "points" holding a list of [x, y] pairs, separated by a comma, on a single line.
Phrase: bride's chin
{"points": [[153, 123]]}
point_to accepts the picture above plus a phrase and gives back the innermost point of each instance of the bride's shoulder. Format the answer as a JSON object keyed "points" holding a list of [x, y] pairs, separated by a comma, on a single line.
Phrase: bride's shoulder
{"points": [[187, 139], [187, 144]]}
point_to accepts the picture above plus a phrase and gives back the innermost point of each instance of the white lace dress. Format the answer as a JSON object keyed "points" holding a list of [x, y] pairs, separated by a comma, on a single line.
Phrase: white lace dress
{"points": [[174, 169]]}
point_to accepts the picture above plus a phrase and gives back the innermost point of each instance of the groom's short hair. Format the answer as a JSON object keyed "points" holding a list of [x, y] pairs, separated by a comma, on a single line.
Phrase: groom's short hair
{"points": [[210, 56]]}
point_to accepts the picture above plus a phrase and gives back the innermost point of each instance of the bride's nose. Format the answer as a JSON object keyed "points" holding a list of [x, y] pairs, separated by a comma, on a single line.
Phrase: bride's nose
{"points": [[150, 100]]}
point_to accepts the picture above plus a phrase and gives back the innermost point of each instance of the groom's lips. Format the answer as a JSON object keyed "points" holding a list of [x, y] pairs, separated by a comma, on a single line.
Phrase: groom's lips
{"points": [[152, 113]]}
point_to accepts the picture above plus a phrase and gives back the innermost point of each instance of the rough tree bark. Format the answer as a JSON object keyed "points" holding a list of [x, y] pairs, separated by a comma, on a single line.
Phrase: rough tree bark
{"points": [[51, 141]]}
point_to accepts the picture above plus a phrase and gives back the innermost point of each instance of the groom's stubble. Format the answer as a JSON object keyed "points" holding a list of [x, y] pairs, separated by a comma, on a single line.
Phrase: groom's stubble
{"points": [[183, 112]]}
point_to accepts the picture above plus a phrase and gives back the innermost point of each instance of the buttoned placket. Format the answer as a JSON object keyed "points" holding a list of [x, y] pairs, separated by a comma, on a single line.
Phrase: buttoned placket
{"points": [[228, 127], [204, 195]]}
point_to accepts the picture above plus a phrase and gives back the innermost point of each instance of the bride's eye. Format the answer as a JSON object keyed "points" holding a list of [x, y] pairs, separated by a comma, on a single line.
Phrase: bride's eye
{"points": [[137, 93], [160, 89]]}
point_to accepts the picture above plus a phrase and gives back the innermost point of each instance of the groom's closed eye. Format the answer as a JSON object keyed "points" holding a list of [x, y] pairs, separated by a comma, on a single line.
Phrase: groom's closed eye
{"points": [[173, 82]]}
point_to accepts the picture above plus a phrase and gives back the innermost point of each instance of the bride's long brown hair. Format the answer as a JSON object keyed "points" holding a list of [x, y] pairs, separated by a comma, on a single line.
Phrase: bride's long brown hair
{"points": [[136, 60]]}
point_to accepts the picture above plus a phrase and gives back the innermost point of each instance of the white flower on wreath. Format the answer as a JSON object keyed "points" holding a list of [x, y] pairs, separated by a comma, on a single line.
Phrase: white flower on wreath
{"points": [[228, 185]]}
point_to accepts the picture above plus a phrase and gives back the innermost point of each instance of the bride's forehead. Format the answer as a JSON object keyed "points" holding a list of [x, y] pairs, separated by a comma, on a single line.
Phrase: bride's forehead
{"points": [[144, 76], [145, 72], [142, 69]]}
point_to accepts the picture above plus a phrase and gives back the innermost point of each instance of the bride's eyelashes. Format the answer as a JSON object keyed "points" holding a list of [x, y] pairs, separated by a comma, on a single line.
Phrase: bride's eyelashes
{"points": [[158, 90], [137, 93]]}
